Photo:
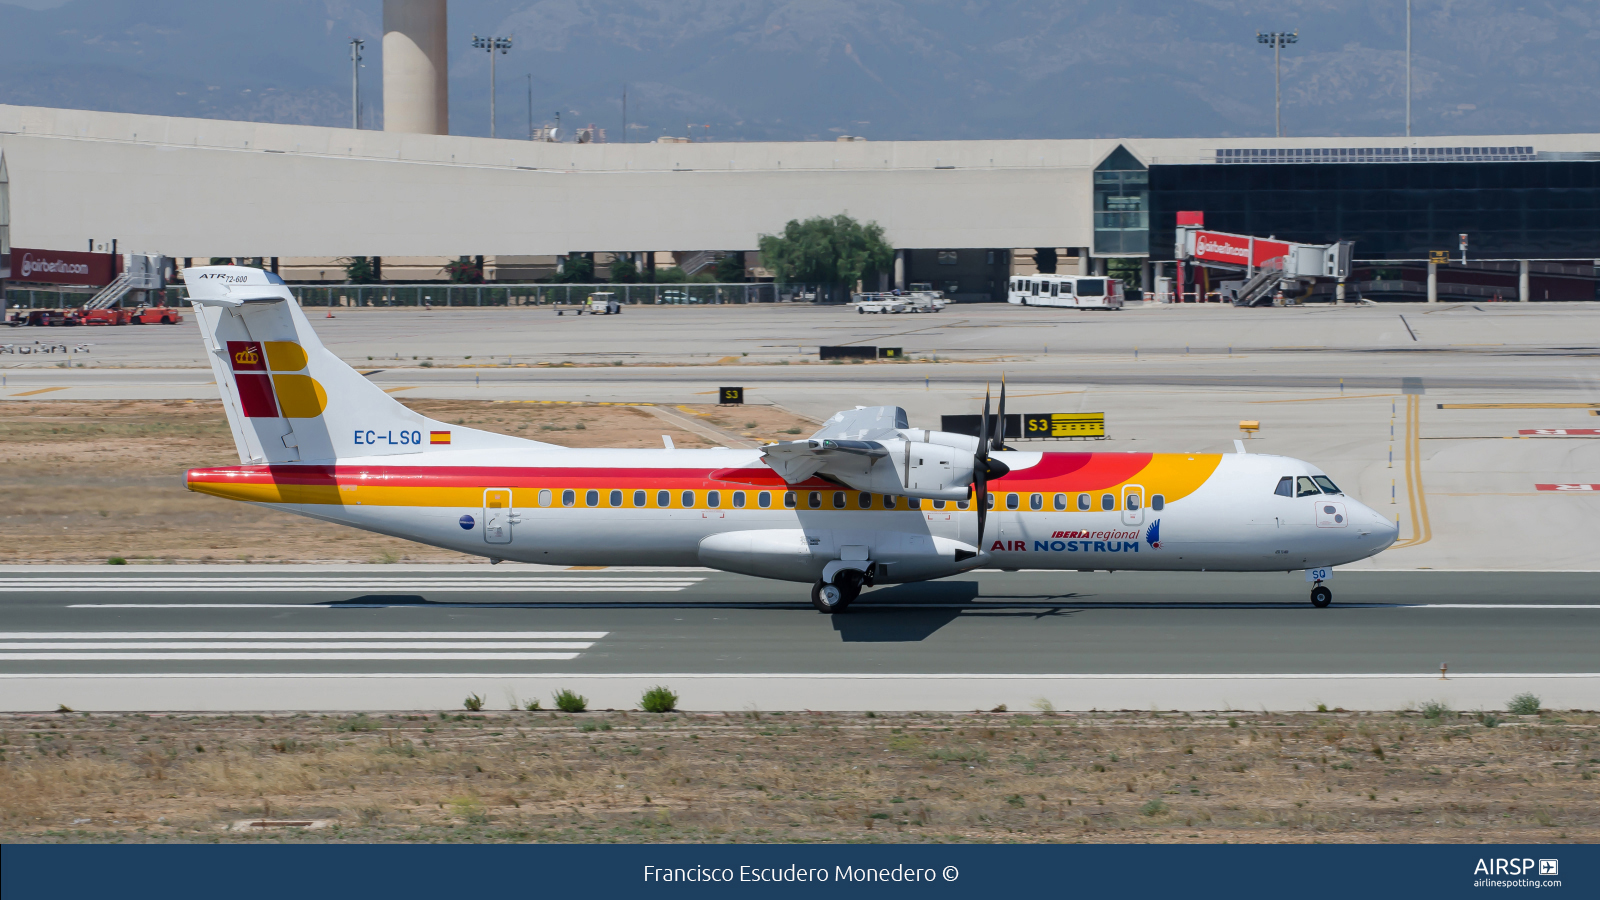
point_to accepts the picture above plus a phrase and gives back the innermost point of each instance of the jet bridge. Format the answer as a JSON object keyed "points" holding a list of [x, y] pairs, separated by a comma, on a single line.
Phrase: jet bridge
{"points": [[1268, 264]]}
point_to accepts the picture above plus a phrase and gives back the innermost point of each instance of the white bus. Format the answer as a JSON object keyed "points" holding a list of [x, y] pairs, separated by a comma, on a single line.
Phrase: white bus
{"points": [[1081, 291]]}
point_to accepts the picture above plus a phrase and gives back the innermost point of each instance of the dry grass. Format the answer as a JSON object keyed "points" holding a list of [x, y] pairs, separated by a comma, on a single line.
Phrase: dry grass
{"points": [[801, 776], [87, 480]]}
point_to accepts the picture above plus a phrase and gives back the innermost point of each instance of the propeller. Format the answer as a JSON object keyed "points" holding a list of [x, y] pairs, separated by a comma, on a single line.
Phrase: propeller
{"points": [[999, 441], [985, 467]]}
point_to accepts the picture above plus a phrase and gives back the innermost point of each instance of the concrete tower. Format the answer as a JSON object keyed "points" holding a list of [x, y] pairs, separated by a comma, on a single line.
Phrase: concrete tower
{"points": [[416, 72]]}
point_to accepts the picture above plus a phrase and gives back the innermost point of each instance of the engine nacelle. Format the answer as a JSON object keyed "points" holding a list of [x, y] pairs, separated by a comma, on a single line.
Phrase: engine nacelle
{"points": [[920, 469]]}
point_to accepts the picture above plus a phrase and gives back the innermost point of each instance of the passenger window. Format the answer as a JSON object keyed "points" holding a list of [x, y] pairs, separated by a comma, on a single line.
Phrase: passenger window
{"points": [[1083, 502], [1012, 501], [1036, 501], [764, 499], [639, 498], [1327, 485], [713, 499], [938, 504], [865, 500], [568, 498], [664, 499], [1307, 487], [1108, 502], [838, 499], [1158, 502], [888, 501], [988, 501], [544, 497], [1285, 487], [688, 499], [738, 499], [591, 499], [815, 500], [1061, 501], [788, 499], [913, 503], [1055, 288], [1132, 502], [963, 504], [616, 499]]}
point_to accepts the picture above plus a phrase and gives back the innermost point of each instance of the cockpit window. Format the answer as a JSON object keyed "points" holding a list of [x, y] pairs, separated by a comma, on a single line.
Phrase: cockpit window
{"points": [[1327, 485], [1285, 487], [1306, 486]]}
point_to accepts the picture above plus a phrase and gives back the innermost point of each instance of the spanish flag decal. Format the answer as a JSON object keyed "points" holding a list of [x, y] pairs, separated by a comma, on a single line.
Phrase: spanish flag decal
{"points": [[438, 437]]}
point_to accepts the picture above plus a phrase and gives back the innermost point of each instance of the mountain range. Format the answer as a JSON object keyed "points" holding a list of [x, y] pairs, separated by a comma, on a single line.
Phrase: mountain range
{"points": [[755, 70]]}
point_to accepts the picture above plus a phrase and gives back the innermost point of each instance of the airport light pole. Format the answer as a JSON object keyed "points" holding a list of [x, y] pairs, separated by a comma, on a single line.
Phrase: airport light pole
{"points": [[1277, 39], [1408, 68], [491, 44], [355, 82]]}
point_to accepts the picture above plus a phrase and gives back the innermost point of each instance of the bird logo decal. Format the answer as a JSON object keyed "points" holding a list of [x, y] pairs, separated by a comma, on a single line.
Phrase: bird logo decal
{"points": [[1153, 535]]}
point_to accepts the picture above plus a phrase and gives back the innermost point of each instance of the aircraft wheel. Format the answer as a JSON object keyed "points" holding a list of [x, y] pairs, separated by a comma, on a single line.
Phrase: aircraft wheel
{"points": [[827, 598], [1321, 597]]}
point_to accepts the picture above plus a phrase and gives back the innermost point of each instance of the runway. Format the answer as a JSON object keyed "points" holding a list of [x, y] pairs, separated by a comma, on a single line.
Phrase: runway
{"points": [[303, 637]]}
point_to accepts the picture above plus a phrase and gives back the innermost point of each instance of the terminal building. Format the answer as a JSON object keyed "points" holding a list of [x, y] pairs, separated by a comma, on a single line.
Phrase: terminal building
{"points": [[964, 215]]}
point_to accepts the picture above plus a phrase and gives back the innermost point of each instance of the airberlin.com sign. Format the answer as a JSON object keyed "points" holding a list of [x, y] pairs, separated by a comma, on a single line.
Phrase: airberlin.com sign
{"points": [[1233, 248], [61, 266]]}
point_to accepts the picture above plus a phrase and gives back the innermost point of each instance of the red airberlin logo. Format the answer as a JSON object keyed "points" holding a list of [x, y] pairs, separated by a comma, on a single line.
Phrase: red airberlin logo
{"points": [[1235, 249]]}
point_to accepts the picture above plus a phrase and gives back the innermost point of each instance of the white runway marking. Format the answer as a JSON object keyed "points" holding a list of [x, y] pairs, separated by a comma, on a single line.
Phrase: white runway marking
{"points": [[141, 657], [296, 645], [321, 646], [301, 585], [302, 635]]}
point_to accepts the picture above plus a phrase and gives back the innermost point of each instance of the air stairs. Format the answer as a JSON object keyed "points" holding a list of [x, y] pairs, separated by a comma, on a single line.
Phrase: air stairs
{"points": [[140, 272], [1259, 290]]}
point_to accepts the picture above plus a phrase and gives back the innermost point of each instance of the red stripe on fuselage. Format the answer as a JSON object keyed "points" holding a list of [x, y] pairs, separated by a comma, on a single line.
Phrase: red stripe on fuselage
{"points": [[1055, 471]]}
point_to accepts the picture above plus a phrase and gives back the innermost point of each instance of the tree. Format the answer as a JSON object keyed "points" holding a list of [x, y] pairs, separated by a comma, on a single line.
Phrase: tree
{"points": [[730, 268], [465, 271], [579, 269], [623, 271], [835, 252], [671, 275], [358, 270]]}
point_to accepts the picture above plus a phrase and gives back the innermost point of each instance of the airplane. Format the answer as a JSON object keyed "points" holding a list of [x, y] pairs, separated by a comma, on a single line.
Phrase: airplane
{"points": [[867, 500]]}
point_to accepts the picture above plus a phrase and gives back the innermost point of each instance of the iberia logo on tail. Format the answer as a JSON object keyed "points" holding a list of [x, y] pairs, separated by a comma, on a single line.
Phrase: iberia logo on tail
{"points": [[268, 377]]}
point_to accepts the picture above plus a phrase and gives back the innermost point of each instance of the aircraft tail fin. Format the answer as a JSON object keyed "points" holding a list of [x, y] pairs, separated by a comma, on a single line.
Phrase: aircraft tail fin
{"points": [[288, 398]]}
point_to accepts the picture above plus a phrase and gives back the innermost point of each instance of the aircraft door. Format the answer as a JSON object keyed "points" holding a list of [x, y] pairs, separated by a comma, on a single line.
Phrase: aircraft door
{"points": [[497, 515], [1132, 504]]}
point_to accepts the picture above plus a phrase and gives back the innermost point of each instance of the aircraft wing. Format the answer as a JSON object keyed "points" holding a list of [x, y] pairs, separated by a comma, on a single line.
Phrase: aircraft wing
{"points": [[798, 460], [864, 423]]}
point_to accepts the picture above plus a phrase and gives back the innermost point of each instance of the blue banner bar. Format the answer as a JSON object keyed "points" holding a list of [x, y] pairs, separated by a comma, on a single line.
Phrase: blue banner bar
{"points": [[276, 871]]}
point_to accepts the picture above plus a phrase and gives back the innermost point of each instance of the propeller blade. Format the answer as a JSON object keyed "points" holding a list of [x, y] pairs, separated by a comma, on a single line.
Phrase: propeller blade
{"points": [[980, 469], [999, 442], [980, 496]]}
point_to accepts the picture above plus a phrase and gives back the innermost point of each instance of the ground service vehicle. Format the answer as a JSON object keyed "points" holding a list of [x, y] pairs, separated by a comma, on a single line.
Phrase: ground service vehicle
{"points": [[866, 500], [1077, 291], [880, 303], [601, 304], [40, 317], [157, 315]]}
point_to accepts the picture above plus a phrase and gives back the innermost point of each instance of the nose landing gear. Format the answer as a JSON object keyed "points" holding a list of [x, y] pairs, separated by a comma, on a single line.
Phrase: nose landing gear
{"points": [[1321, 596], [837, 597]]}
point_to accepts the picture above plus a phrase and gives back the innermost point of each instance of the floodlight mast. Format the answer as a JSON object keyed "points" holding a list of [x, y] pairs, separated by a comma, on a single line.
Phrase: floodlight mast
{"points": [[491, 44], [1277, 39]]}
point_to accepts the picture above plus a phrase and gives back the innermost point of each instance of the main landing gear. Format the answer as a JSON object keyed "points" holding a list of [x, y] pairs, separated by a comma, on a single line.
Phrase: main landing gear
{"points": [[836, 597], [1321, 596]]}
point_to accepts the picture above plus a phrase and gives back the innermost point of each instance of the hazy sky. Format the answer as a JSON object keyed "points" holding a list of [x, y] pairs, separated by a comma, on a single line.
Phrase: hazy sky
{"points": [[815, 69]]}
